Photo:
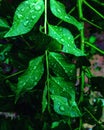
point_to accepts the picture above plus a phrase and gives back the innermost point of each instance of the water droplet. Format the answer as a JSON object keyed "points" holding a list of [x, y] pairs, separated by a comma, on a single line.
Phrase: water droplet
{"points": [[68, 38], [66, 17], [19, 16], [33, 17], [26, 23], [32, 5], [31, 11], [62, 108], [34, 67], [38, 7], [62, 40], [22, 9], [36, 78], [26, 2], [24, 84], [59, 10]]}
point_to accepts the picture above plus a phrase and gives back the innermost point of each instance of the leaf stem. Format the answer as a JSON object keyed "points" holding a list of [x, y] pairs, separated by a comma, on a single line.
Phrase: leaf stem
{"points": [[45, 18], [93, 24], [102, 52], [80, 9], [47, 80], [92, 8]]}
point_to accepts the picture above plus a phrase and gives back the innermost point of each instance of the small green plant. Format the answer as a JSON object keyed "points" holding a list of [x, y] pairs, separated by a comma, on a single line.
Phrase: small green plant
{"points": [[45, 47]]}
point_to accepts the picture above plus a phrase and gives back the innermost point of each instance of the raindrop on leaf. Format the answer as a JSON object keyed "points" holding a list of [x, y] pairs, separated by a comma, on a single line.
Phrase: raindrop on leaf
{"points": [[19, 16], [33, 17], [62, 108], [38, 7], [26, 23], [58, 10]]}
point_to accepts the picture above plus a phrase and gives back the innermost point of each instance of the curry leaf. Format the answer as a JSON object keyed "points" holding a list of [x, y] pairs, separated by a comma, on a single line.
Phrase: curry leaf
{"points": [[64, 37], [25, 17], [60, 86], [58, 9], [61, 66], [65, 107], [31, 77]]}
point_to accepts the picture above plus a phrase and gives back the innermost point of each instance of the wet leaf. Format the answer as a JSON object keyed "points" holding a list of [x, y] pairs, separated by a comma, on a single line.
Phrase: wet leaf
{"points": [[65, 107], [64, 37], [31, 77], [60, 66], [60, 86], [25, 17], [58, 9]]}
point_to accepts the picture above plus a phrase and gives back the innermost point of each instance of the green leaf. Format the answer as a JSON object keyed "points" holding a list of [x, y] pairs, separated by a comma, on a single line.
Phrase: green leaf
{"points": [[60, 86], [65, 107], [31, 77], [25, 17], [58, 9], [55, 124], [64, 37], [44, 99], [61, 66], [3, 24]]}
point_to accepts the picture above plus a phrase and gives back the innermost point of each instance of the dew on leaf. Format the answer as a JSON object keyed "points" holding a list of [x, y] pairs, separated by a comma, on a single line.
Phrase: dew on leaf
{"points": [[38, 7], [58, 10], [33, 17], [31, 11], [32, 5], [19, 16], [66, 17], [22, 9], [62, 108], [62, 40], [26, 23]]}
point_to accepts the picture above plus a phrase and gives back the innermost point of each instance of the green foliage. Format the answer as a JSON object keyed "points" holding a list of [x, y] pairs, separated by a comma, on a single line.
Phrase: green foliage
{"points": [[58, 9], [40, 67], [61, 66], [26, 16], [31, 77], [64, 37]]}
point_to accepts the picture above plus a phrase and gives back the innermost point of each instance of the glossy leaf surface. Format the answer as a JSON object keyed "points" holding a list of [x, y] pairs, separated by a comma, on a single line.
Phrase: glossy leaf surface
{"points": [[31, 77], [58, 9], [64, 37], [61, 66], [65, 107], [62, 87], [25, 17]]}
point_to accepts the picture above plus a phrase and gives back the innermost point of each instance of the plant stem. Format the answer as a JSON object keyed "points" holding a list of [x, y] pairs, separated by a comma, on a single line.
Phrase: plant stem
{"points": [[92, 8], [47, 80], [102, 52], [45, 18], [80, 3], [80, 10], [93, 24]]}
